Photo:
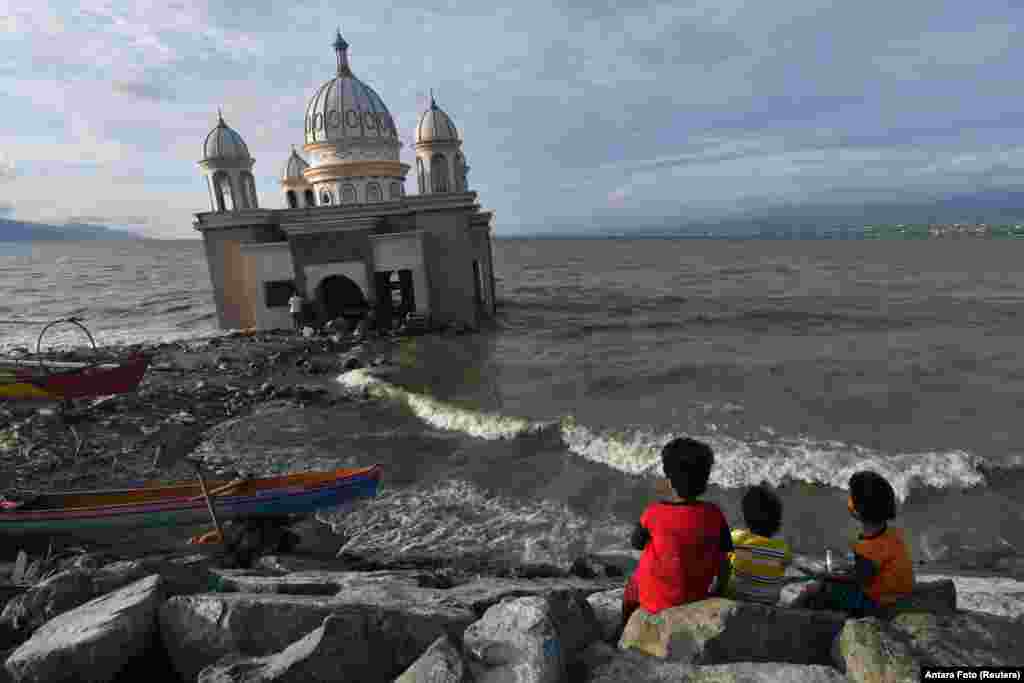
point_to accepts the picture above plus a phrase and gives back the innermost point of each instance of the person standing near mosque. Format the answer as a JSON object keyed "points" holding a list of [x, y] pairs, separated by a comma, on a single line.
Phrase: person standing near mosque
{"points": [[295, 306]]}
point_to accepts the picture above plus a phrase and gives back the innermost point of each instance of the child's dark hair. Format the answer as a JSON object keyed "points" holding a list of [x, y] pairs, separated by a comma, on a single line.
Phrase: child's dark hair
{"points": [[687, 464], [873, 497], [762, 511]]}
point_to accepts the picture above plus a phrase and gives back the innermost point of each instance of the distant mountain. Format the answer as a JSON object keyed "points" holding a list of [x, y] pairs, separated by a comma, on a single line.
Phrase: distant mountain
{"points": [[22, 231]]}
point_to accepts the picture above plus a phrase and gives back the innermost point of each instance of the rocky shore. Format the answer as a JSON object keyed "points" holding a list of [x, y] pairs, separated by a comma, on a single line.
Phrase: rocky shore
{"points": [[127, 611]]}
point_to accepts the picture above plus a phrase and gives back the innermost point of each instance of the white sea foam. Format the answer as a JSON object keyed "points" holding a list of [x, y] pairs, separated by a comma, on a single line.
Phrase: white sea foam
{"points": [[738, 463]]}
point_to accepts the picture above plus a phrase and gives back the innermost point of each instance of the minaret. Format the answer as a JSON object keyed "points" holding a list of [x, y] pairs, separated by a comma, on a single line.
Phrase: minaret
{"points": [[228, 169], [440, 166]]}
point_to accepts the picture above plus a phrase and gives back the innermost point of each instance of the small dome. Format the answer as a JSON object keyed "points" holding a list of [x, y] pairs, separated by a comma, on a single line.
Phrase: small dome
{"points": [[344, 108], [224, 143], [436, 126], [293, 168]]}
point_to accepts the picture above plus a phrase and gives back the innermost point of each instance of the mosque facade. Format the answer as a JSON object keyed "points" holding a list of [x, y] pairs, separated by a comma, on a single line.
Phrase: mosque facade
{"points": [[348, 239]]}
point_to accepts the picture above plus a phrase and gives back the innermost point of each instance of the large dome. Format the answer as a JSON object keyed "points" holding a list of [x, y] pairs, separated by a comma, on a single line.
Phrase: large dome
{"points": [[436, 126], [224, 143], [345, 108]]}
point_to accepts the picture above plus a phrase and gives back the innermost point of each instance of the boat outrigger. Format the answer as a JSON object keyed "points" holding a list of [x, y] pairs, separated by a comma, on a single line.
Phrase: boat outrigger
{"points": [[46, 380]]}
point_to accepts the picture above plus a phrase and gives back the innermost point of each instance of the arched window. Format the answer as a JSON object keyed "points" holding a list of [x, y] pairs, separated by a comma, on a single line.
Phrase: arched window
{"points": [[326, 199], [250, 183], [310, 198], [293, 201], [460, 173], [348, 194], [222, 186], [439, 173], [420, 176], [373, 193], [395, 191]]}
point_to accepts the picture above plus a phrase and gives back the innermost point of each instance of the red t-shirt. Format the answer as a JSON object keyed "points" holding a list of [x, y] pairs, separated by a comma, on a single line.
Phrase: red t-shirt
{"points": [[688, 542]]}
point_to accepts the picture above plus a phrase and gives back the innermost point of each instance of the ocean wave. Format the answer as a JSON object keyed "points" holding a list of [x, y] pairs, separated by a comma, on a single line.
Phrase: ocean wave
{"points": [[739, 463]]}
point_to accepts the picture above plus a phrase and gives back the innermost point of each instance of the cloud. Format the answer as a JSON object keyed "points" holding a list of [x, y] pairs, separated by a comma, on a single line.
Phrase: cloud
{"points": [[150, 91], [567, 110]]}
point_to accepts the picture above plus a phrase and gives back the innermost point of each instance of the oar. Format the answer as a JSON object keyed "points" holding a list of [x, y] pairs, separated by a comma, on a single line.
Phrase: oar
{"points": [[209, 502], [221, 489]]}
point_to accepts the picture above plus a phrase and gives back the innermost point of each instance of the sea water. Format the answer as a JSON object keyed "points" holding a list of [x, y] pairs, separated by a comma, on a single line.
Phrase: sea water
{"points": [[800, 362]]}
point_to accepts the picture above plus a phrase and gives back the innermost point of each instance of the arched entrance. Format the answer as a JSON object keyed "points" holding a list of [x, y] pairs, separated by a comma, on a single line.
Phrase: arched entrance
{"points": [[339, 297]]}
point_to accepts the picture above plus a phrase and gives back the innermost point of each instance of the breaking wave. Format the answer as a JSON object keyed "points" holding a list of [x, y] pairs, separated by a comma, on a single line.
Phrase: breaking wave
{"points": [[738, 463]]}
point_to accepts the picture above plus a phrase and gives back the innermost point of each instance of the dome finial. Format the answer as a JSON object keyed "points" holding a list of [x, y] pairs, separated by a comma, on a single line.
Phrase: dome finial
{"points": [[220, 118], [341, 47], [433, 104]]}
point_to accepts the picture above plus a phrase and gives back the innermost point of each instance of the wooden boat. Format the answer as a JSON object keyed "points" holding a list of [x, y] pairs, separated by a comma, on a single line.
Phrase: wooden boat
{"points": [[49, 381], [184, 505]]}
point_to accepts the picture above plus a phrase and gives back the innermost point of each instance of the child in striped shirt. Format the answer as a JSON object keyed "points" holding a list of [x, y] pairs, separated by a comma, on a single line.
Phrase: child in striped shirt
{"points": [[759, 561]]}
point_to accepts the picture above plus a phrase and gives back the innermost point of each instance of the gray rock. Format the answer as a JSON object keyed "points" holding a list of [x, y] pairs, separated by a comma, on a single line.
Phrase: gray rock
{"points": [[484, 592], [441, 663], [70, 588], [720, 631], [403, 620], [962, 639], [516, 640], [40, 603], [766, 672], [999, 596], [607, 606], [312, 582], [338, 650], [868, 652], [92, 642], [603, 663]]}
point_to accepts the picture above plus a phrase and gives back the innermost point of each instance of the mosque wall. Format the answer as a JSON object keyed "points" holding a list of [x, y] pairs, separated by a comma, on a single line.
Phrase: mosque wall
{"points": [[449, 266], [344, 246], [228, 274], [266, 263]]}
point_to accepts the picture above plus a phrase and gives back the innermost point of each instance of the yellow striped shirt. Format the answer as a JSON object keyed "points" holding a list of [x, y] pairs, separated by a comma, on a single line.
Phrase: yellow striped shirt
{"points": [[758, 567]]}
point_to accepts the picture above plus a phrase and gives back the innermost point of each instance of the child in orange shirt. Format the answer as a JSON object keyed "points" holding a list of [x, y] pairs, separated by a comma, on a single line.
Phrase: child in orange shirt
{"points": [[883, 572]]}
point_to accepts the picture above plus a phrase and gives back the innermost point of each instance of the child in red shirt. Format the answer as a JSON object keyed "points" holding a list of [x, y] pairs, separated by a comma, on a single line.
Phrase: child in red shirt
{"points": [[686, 542]]}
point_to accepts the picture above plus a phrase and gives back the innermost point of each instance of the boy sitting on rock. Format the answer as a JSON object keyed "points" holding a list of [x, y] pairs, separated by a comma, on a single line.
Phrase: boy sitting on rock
{"points": [[685, 541], [883, 572], [759, 561]]}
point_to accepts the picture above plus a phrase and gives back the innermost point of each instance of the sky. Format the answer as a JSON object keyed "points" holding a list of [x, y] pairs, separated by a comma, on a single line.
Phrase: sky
{"points": [[574, 114]]}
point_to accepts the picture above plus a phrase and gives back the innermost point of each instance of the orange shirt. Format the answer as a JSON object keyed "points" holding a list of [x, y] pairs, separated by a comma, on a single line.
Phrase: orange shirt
{"points": [[895, 577]]}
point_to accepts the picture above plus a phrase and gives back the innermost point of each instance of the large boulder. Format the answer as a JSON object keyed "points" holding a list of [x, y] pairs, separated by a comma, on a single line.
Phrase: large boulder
{"points": [[441, 663], [602, 663], [70, 588], [516, 640], [607, 606], [766, 672], [1000, 596], [938, 596], [338, 651], [874, 651], [868, 652], [94, 641], [484, 592], [720, 631], [402, 620], [313, 582]]}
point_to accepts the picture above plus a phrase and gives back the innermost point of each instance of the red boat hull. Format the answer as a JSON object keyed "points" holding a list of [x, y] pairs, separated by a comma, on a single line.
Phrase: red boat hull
{"points": [[77, 383]]}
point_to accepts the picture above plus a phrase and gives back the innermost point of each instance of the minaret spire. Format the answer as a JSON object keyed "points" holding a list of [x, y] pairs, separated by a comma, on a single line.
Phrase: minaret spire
{"points": [[341, 48]]}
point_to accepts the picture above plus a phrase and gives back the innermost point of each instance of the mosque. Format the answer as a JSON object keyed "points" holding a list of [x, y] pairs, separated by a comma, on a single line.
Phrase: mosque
{"points": [[348, 239]]}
